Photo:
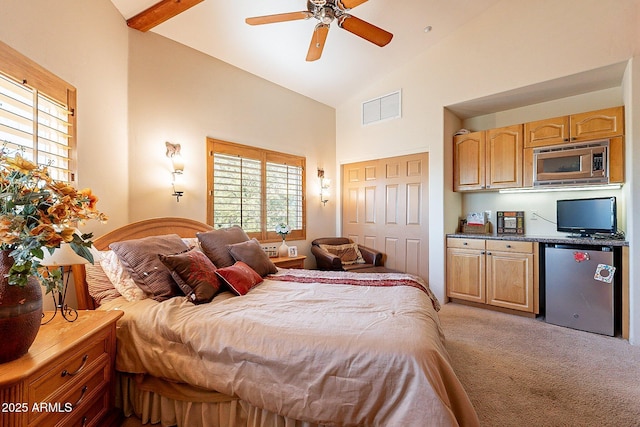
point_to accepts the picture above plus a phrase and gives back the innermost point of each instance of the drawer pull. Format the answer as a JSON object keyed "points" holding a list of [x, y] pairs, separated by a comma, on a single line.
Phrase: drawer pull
{"points": [[77, 371], [84, 391], [464, 243], [509, 246]]}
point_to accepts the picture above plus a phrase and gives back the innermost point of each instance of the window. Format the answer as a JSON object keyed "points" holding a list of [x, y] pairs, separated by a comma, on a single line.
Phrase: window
{"points": [[255, 189], [37, 114]]}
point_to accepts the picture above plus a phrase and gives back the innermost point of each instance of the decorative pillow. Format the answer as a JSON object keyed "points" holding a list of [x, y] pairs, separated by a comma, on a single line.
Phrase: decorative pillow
{"points": [[214, 244], [239, 277], [251, 253], [194, 273], [100, 287], [191, 242], [120, 277], [348, 253], [140, 258]]}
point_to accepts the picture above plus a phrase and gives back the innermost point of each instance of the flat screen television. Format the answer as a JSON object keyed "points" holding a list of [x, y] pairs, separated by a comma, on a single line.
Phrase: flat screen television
{"points": [[586, 217]]}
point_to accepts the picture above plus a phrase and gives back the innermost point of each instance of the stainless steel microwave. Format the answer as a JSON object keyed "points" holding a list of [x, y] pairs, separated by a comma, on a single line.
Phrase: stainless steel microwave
{"points": [[572, 164]]}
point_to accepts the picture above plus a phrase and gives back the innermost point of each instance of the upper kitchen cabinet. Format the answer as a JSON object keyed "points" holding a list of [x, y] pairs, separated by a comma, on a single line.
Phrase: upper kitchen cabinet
{"points": [[597, 124], [504, 157], [488, 160], [592, 125], [469, 161]]}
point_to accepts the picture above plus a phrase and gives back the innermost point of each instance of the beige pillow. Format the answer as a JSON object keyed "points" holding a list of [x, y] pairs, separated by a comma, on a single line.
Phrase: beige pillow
{"points": [[348, 253], [121, 279], [214, 244], [100, 287], [251, 253]]}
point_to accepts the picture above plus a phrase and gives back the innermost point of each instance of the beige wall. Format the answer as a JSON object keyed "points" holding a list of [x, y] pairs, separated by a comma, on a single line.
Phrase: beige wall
{"points": [[514, 44], [84, 43], [179, 95]]}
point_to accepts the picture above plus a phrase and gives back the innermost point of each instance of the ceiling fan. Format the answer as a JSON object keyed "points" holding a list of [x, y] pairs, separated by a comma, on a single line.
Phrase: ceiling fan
{"points": [[326, 11]]}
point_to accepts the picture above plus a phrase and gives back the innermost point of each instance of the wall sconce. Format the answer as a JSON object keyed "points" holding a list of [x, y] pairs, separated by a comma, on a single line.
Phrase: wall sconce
{"points": [[177, 166], [325, 184]]}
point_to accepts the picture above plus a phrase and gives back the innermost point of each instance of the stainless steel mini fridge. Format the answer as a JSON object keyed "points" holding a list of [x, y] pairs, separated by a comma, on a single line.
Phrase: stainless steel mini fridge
{"points": [[580, 287]]}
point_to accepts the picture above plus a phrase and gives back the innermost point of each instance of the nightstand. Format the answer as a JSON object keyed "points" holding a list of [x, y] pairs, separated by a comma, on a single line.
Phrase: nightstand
{"points": [[289, 262], [66, 378]]}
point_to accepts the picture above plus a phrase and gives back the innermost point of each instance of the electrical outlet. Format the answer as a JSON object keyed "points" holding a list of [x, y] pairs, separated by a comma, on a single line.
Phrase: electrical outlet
{"points": [[487, 215], [534, 215]]}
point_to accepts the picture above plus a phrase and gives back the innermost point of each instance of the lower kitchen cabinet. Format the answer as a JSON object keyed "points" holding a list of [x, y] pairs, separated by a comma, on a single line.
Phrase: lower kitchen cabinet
{"points": [[493, 272]]}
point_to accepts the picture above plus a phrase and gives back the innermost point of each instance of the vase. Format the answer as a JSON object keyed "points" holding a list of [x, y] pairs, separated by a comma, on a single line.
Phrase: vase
{"points": [[20, 312], [283, 250]]}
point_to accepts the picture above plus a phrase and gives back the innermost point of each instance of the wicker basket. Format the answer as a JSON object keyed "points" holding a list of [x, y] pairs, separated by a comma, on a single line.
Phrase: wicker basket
{"points": [[477, 229]]}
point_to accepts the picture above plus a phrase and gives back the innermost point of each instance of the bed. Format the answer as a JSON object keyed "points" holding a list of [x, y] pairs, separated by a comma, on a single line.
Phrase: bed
{"points": [[300, 348]]}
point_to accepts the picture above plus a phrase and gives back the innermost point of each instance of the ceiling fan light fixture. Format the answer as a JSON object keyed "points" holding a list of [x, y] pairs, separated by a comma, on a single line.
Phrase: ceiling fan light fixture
{"points": [[326, 15]]}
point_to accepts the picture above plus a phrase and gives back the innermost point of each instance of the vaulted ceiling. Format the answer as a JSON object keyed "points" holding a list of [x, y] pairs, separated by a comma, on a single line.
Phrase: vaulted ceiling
{"points": [[277, 51]]}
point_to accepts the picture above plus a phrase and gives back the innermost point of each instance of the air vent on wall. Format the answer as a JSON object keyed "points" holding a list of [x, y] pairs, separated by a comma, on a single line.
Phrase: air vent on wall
{"points": [[386, 107]]}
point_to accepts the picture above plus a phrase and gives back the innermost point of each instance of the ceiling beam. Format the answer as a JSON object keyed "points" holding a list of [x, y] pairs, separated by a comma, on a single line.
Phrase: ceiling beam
{"points": [[159, 12]]}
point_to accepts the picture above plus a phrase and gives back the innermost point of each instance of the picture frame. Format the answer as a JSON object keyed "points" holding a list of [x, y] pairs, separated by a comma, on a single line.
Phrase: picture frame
{"points": [[511, 222], [293, 251]]}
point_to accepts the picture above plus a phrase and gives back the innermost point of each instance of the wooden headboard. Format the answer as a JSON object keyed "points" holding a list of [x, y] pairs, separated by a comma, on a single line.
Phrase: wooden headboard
{"points": [[150, 227]]}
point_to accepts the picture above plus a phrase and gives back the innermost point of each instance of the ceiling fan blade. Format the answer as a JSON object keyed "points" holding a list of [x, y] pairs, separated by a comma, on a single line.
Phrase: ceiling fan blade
{"points": [[350, 4], [365, 30], [317, 42], [280, 17]]}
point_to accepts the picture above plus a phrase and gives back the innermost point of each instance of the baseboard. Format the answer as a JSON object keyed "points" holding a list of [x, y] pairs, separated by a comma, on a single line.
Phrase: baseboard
{"points": [[493, 308]]}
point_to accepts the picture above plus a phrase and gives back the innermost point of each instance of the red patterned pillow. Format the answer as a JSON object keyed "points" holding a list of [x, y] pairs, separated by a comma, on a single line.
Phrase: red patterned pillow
{"points": [[194, 273], [239, 277]]}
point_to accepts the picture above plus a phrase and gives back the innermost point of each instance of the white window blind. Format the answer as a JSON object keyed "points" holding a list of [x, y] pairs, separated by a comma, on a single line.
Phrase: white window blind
{"points": [[36, 126]]}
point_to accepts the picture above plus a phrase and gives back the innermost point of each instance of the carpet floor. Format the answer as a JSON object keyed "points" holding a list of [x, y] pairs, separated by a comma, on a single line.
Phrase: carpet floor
{"points": [[524, 372]]}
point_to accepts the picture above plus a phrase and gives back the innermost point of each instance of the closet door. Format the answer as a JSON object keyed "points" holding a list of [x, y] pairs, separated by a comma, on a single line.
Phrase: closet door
{"points": [[385, 206]]}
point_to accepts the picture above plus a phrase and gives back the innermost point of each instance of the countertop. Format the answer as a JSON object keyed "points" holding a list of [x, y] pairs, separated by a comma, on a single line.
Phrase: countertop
{"points": [[545, 239]]}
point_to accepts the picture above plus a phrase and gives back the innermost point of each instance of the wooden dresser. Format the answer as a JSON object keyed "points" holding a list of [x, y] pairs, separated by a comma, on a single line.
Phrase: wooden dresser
{"points": [[66, 378]]}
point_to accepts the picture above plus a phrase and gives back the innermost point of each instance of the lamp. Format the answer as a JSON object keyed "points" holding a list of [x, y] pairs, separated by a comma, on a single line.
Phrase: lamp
{"points": [[325, 184], [177, 165], [62, 258]]}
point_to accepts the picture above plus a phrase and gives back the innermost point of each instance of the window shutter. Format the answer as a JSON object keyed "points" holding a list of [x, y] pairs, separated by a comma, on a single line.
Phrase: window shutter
{"points": [[37, 126], [237, 183], [255, 189], [53, 138], [284, 196]]}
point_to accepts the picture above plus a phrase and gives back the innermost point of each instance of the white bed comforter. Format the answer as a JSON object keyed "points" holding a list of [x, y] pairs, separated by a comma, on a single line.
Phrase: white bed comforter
{"points": [[321, 352]]}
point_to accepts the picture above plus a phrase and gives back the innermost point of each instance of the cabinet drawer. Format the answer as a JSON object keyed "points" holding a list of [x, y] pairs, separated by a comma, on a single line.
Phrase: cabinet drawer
{"points": [[91, 414], [465, 243], [70, 402], [509, 246], [69, 370]]}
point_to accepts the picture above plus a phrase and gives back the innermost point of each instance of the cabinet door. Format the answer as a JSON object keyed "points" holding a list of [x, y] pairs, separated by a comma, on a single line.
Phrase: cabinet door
{"points": [[546, 132], [597, 124], [510, 279], [466, 274], [504, 157], [468, 162]]}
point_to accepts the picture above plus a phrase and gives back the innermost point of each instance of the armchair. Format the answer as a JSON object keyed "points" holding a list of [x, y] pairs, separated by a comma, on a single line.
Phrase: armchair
{"points": [[329, 261]]}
